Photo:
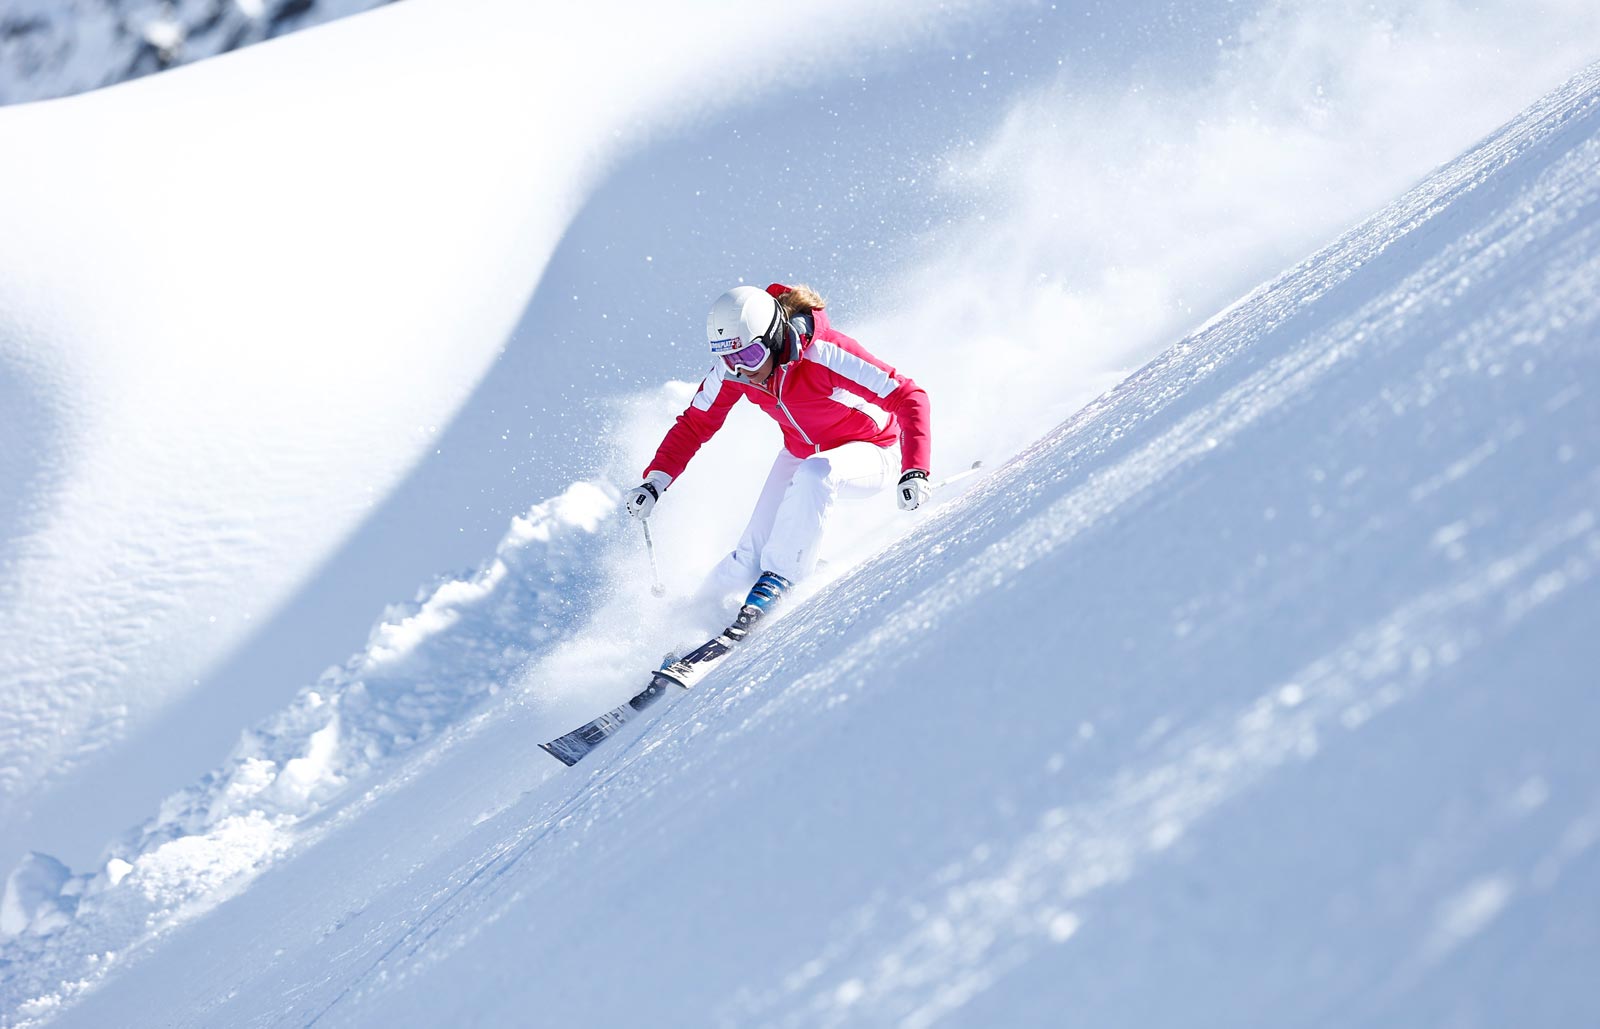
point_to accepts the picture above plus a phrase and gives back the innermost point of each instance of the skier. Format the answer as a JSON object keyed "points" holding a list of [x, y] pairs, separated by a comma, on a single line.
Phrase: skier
{"points": [[844, 415]]}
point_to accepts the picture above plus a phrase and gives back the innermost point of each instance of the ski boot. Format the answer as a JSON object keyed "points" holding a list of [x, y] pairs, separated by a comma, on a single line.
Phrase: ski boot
{"points": [[765, 593]]}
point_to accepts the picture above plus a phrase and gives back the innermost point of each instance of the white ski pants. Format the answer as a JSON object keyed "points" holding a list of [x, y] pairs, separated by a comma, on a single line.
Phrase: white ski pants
{"points": [[786, 527]]}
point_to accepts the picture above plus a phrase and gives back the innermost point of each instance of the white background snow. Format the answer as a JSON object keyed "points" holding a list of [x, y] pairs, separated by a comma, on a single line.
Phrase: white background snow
{"points": [[1254, 694]]}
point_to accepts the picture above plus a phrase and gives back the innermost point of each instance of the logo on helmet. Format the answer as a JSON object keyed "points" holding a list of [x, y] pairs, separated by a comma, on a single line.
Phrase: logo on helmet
{"points": [[727, 346]]}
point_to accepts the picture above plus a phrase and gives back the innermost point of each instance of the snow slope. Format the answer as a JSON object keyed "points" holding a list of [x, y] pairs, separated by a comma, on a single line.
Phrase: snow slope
{"points": [[1258, 692], [260, 374], [239, 303]]}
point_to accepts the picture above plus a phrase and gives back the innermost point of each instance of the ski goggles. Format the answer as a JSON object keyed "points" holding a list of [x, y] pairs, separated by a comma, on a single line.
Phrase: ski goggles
{"points": [[748, 358]]}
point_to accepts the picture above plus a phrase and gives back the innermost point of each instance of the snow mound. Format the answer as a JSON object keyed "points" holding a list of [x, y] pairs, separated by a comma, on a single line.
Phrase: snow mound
{"points": [[426, 666]]}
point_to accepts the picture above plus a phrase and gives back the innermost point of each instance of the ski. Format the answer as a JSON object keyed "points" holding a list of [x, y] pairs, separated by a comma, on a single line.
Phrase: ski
{"points": [[684, 671]]}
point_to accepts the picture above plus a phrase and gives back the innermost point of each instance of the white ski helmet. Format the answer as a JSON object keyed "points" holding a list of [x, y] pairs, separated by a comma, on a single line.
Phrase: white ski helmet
{"points": [[743, 319]]}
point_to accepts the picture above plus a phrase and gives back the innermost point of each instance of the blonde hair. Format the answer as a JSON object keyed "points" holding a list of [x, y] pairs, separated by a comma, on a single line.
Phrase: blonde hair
{"points": [[800, 298]]}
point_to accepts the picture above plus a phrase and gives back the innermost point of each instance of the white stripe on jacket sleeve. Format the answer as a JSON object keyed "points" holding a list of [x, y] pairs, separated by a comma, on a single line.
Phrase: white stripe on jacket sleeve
{"points": [[709, 388], [863, 373]]}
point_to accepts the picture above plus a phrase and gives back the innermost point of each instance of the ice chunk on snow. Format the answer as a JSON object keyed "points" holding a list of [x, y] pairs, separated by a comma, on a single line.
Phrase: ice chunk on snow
{"points": [[117, 870], [302, 776]]}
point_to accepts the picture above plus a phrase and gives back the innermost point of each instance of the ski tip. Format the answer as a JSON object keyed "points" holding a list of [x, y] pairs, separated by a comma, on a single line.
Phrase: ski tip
{"points": [[560, 753]]}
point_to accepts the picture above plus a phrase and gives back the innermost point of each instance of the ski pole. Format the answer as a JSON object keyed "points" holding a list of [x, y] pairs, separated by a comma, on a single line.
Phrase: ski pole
{"points": [[957, 477], [656, 589]]}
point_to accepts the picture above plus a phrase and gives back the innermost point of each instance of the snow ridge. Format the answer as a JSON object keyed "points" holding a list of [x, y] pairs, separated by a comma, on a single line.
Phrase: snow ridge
{"points": [[426, 666]]}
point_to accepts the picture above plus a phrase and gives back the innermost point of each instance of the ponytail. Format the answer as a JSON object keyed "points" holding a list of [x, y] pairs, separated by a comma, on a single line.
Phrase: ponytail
{"points": [[800, 299]]}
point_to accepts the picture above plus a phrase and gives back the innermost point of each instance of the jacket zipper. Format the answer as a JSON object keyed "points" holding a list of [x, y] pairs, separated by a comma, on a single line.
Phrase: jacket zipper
{"points": [[777, 394]]}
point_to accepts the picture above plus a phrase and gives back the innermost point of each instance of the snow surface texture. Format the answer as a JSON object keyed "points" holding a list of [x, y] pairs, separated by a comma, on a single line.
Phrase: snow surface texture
{"points": [[53, 48], [424, 666], [1259, 692], [255, 375]]}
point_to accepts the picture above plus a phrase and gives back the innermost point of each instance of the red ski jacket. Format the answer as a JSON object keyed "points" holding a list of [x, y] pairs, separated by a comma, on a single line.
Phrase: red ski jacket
{"points": [[833, 393]]}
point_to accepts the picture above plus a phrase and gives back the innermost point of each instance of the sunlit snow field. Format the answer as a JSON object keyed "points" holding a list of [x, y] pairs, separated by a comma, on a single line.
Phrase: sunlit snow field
{"points": [[1260, 678]]}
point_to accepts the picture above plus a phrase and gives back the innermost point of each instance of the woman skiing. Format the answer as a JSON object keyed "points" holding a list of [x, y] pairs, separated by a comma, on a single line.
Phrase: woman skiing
{"points": [[844, 414]]}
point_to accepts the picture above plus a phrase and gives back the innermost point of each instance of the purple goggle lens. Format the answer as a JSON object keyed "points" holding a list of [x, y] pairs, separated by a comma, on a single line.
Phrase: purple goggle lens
{"points": [[748, 359]]}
